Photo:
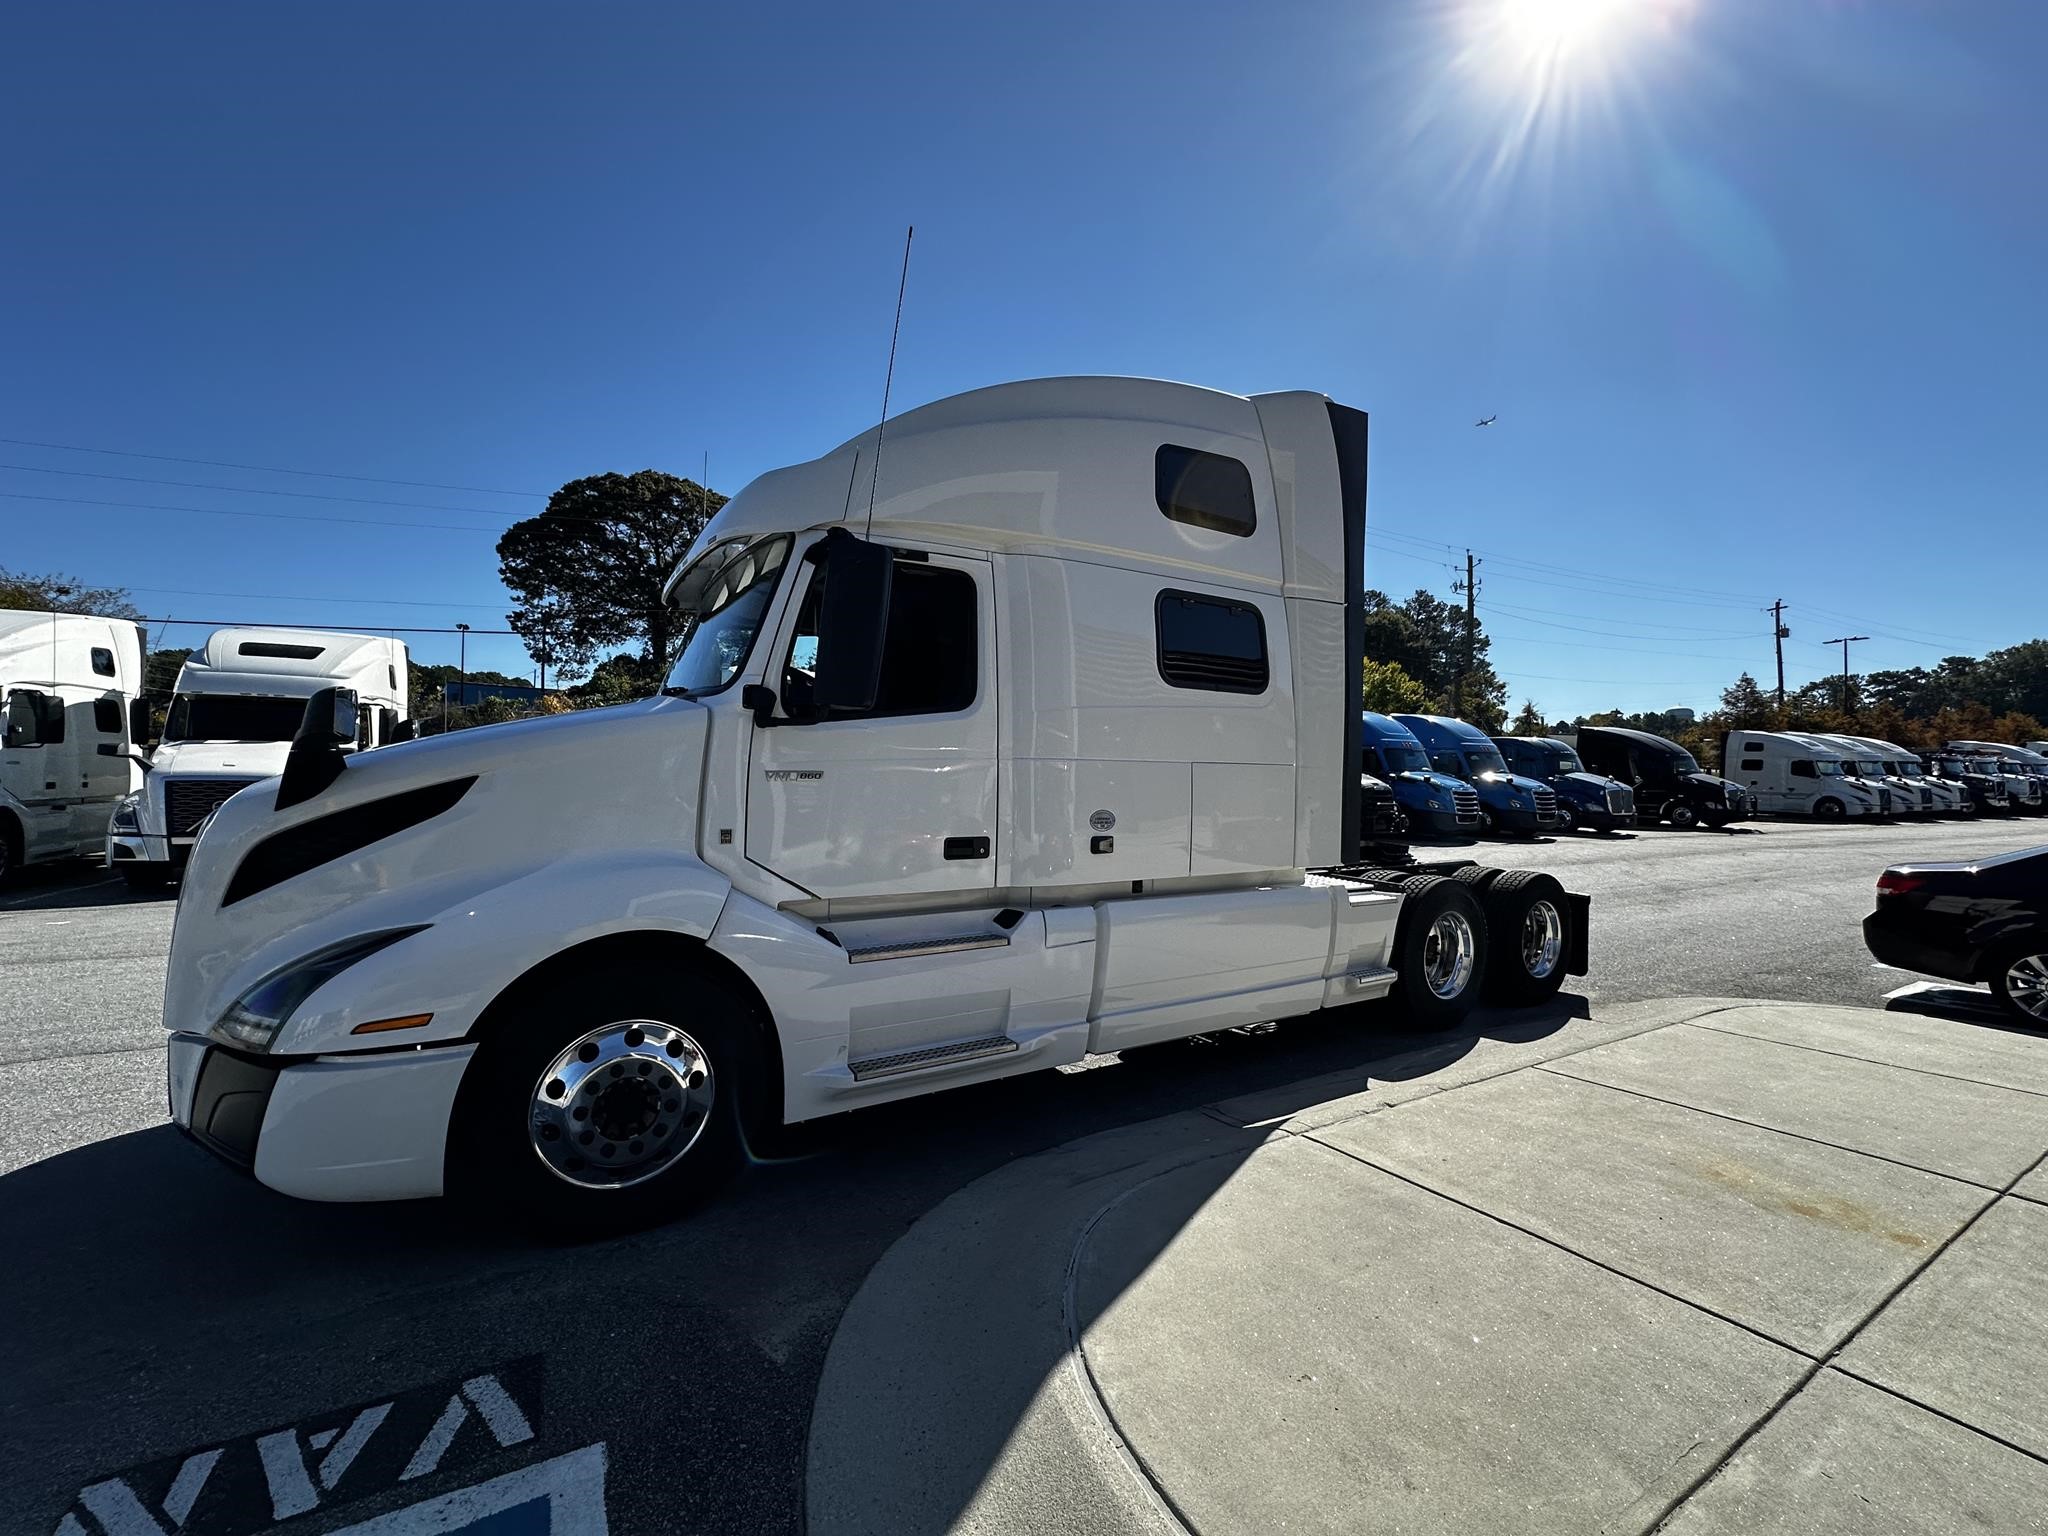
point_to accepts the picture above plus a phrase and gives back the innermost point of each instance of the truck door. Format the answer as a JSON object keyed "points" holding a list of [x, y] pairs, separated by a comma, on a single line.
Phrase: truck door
{"points": [[902, 798], [102, 780], [32, 768]]}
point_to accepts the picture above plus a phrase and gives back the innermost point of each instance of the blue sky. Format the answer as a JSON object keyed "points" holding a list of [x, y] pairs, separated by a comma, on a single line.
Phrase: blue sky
{"points": [[1754, 287]]}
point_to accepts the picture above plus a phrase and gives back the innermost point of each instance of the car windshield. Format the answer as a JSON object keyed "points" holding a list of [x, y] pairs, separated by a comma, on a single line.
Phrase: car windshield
{"points": [[719, 603], [233, 717], [1404, 757]]}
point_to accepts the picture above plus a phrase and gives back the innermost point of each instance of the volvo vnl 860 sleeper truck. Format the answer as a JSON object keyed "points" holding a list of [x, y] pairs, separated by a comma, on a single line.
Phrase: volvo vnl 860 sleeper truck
{"points": [[1036, 749], [238, 702]]}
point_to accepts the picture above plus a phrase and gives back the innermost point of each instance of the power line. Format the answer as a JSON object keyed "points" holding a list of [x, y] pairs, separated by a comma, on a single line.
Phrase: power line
{"points": [[296, 597], [268, 469], [246, 490], [281, 517], [346, 629]]}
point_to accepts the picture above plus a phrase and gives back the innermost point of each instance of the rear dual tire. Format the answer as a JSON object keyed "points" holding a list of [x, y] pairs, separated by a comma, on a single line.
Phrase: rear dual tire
{"points": [[1528, 922]]}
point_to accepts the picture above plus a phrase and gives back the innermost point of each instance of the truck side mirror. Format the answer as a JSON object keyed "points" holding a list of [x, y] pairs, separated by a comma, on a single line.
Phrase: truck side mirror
{"points": [[138, 720], [316, 758], [853, 622]]}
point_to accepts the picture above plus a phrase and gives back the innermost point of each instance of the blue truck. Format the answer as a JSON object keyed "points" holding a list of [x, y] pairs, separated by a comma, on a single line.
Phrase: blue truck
{"points": [[1583, 799], [1434, 803], [1507, 802]]}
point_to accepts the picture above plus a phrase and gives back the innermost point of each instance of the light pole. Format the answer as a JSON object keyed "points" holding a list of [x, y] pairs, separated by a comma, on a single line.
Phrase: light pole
{"points": [[1843, 641], [461, 666]]}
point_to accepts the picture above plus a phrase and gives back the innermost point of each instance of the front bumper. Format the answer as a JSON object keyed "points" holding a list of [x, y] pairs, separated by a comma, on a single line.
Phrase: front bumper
{"points": [[1508, 820], [148, 848], [368, 1127], [1441, 823], [1901, 939]]}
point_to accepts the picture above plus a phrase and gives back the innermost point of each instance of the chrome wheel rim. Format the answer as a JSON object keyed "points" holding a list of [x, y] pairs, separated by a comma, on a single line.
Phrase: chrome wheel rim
{"points": [[621, 1105], [1683, 816], [2026, 983], [1447, 954], [1542, 940]]}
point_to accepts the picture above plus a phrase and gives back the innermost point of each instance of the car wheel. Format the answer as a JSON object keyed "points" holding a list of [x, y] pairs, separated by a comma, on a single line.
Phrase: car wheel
{"points": [[1439, 951], [1828, 808], [1529, 922], [2019, 978], [1567, 818], [1682, 815], [603, 1108]]}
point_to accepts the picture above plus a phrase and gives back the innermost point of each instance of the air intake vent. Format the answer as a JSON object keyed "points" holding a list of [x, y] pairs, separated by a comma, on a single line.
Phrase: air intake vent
{"points": [[295, 850]]}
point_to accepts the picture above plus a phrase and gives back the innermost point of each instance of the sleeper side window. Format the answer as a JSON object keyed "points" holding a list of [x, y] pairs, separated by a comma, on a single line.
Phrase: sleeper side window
{"points": [[103, 661], [1803, 770], [1211, 643], [931, 658], [106, 716], [1207, 490]]}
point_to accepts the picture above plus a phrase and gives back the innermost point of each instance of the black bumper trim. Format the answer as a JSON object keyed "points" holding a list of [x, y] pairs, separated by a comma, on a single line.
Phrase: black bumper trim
{"points": [[229, 1101]]}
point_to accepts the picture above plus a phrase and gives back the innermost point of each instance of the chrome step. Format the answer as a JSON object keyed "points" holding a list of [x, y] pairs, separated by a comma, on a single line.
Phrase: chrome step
{"points": [[1370, 976], [930, 1056], [897, 949]]}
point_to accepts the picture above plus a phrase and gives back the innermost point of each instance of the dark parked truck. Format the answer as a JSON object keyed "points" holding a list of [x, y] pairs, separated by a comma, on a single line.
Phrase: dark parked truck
{"points": [[2026, 773], [1381, 818], [1436, 804], [1979, 777], [1583, 799], [1507, 801], [1668, 783]]}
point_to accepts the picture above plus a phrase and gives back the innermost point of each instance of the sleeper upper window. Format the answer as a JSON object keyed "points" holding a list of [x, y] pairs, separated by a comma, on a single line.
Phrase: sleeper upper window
{"points": [[1211, 643], [1209, 490], [103, 661]]}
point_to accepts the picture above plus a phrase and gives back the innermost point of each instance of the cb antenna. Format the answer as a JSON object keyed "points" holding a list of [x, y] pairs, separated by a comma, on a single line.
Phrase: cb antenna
{"points": [[889, 378]]}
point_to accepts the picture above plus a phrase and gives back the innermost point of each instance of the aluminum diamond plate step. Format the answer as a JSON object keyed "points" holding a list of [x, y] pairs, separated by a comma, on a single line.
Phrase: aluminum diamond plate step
{"points": [[930, 1056], [896, 949]]}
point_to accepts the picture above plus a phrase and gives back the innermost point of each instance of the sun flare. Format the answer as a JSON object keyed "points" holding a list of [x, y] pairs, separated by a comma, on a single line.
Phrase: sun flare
{"points": [[1555, 27]]}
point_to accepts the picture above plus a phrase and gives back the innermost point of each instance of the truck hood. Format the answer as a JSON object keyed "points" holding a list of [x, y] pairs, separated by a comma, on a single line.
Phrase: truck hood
{"points": [[1592, 784], [221, 759], [526, 794], [1441, 783], [1496, 785]]}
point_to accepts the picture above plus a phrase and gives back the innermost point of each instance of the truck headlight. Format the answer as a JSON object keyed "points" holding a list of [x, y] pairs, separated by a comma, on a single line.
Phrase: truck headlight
{"points": [[254, 1018], [128, 814]]}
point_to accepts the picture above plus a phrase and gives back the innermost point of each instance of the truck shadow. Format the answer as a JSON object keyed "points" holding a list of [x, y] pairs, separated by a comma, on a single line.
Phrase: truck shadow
{"points": [[66, 884], [219, 1309]]}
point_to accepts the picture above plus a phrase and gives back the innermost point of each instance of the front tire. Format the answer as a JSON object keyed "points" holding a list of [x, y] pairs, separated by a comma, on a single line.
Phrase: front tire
{"points": [[2019, 979], [1681, 815], [1439, 951], [1829, 809], [1528, 921], [1567, 818], [604, 1105]]}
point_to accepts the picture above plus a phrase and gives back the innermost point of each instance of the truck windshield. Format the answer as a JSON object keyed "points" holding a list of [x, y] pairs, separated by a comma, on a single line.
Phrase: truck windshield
{"points": [[1828, 770], [1486, 760], [720, 603], [1910, 771], [233, 717], [1402, 757], [1565, 762], [1871, 769]]}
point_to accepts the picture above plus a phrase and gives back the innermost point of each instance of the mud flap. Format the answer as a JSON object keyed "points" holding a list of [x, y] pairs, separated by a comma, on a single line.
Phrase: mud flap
{"points": [[1579, 941]]}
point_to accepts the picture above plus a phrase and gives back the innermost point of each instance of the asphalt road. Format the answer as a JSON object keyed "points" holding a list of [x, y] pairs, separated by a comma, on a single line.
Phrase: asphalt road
{"points": [[159, 1308]]}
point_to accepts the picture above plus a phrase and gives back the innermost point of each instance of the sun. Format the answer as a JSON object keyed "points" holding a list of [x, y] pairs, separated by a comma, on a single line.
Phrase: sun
{"points": [[1554, 28]]}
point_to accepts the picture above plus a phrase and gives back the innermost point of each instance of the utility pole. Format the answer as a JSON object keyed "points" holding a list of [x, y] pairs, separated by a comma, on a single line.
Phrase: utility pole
{"points": [[1470, 587], [462, 667], [1843, 641], [1779, 634]]}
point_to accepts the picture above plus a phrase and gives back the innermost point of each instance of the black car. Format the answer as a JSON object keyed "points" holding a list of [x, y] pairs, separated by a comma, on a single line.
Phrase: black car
{"points": [[1982, 921], [1666, 778]]}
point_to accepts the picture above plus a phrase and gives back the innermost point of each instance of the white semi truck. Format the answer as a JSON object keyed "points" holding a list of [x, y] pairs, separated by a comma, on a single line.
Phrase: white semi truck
{"points": [[238, 701], [1046, 747], [68, 686], [1787, 773]]}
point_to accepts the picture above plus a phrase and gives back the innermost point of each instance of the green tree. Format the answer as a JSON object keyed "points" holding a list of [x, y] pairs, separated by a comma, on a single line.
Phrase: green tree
{"points": [[1529, 721], [54, 593], [618, 680], [2015, 680], [1389, 689], [588, 571], [1744, 707]]}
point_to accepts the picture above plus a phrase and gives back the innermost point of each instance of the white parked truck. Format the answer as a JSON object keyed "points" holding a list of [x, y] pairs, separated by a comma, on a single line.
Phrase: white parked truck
{"points": [[238, 701], [1875, 763], [1045, 750], [1788, 773], [1904, 770], [68, 686]]}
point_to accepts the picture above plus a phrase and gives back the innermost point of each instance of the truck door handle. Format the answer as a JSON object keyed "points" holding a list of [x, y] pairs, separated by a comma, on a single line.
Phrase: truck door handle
{"points": [[966, 847]]}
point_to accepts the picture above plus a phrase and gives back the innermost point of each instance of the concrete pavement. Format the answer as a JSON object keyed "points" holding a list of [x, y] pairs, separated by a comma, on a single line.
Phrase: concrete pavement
{"points": [[1704, 1265]]}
